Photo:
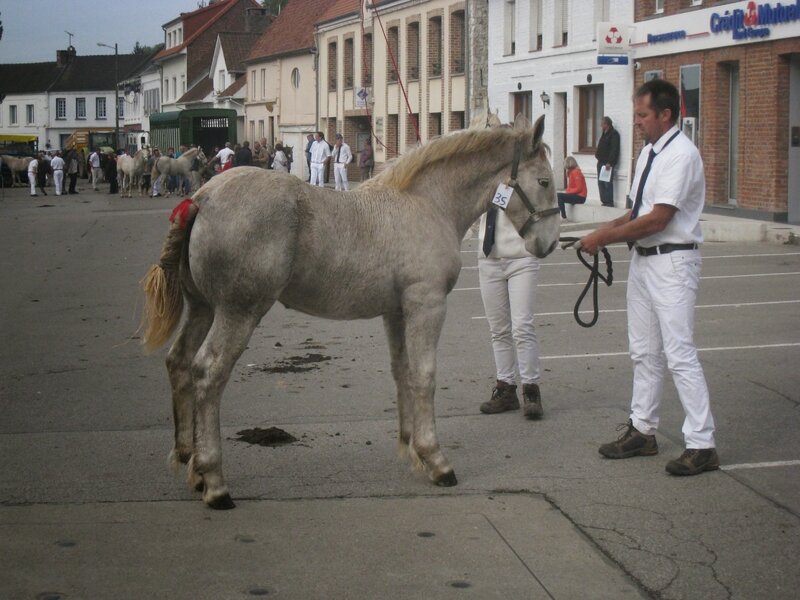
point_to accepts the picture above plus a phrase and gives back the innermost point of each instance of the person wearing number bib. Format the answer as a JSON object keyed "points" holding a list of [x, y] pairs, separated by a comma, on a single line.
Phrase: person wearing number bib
{"points": [[663, 229], [576, 186], [508, 275]]}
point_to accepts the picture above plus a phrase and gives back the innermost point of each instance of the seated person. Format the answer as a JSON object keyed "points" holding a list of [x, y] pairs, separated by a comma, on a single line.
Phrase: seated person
{"points": [[576, 186]]}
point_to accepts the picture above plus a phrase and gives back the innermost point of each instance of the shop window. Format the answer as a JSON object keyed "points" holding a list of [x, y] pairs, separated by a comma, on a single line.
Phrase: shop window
{"points": [[590, 114], [690, 101]]}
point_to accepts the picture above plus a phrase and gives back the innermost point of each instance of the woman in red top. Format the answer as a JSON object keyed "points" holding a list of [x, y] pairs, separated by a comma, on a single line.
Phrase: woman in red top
{"points": [[576, 186]]}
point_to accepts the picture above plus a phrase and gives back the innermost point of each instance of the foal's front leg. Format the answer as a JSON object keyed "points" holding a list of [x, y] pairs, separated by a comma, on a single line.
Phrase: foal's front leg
{"points": [[396, 336], [424, 317]]}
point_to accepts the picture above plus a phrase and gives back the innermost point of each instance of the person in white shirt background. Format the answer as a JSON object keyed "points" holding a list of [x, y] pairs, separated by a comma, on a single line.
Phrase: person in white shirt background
{"points": [[342, 156], [94, 164], [320, 154], [33, 170], [57, 165]]}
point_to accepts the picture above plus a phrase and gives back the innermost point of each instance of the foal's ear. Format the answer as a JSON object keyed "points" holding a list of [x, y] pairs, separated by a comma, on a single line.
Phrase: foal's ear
{"points": [[521, 122], [538, 131]]}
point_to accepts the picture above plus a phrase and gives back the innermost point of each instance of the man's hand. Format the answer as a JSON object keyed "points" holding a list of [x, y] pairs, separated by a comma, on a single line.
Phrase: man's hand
{"points": [[592, 243]]}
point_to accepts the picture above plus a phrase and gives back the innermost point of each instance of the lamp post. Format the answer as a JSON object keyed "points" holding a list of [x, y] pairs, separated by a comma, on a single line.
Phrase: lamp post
{"points": [[116, 92]]}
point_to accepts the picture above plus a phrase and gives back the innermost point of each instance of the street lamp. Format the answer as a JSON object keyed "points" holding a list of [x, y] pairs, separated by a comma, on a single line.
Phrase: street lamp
{"points": [[116, 93]]}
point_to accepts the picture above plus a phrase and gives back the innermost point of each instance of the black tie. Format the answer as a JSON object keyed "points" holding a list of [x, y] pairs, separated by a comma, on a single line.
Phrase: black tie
{"points": [[637, 204], [488, 233]]}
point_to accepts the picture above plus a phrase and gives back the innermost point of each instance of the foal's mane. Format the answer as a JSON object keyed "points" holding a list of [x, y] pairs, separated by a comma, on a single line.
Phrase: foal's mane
{"points": [[401, 172]]}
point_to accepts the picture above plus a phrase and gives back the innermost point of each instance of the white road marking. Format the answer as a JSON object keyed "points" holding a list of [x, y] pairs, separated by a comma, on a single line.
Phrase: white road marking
{"points": [[545, 263], [716, 349], [622, 310], [761, 465], [472, 289]]}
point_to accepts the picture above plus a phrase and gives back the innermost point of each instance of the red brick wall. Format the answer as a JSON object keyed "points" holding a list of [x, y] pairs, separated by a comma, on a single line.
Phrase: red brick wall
{"points": [[763, 119]]}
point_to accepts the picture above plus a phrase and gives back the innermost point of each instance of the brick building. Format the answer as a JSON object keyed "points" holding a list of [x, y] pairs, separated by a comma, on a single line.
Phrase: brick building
{"points": [[737, 65]]}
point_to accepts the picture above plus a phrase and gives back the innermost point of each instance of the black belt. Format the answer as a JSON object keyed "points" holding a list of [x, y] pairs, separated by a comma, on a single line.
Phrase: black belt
{"points": [[663, 249]]}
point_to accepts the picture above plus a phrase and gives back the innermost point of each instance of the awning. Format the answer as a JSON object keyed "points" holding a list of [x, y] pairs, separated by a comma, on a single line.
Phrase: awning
{"points": [[18, 138]]}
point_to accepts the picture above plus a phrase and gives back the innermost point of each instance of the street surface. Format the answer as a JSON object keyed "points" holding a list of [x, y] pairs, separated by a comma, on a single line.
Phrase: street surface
{"points": [[89, 510]]}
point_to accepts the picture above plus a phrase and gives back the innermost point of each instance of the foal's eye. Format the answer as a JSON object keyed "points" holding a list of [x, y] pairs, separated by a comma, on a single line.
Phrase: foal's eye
{"points": [[543, 182]]}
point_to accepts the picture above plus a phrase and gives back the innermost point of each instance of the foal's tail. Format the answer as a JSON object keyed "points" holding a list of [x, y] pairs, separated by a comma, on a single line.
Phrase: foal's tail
{"points": [[163, 295]]}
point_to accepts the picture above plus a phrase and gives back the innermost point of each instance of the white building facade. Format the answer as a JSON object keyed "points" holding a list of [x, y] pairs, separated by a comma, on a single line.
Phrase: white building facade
{"points": [[543, 60]]}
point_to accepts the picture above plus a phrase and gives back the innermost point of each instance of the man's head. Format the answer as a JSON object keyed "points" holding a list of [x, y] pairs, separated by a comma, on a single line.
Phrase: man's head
{"points": [[245, 144], [656, 108], [227, 144], [606, 123], [339, 139]]}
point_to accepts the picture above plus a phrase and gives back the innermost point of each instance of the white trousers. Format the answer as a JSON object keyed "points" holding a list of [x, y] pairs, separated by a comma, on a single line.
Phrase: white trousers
{"points": [[96, 174], [508, 287], [32, 181], [318, 174], [340, 176], [58, 179], [662, 291]]}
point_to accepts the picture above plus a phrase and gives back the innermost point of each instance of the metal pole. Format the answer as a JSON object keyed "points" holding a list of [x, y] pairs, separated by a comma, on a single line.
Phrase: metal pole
{"points": [[116, 99]]}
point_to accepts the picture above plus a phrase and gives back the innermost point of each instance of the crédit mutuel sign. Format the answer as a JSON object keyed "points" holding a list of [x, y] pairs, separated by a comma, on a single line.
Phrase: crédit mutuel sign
{"points": [[752, 21]]}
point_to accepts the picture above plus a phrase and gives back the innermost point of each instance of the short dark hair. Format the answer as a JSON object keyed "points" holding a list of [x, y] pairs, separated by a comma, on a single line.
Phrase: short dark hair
{"points": [[663, 95], [608, 121]]}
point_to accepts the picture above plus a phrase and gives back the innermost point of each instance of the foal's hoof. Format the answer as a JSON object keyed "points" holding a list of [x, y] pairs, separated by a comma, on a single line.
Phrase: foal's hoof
{"points": [[446, 479], [223, 502]]}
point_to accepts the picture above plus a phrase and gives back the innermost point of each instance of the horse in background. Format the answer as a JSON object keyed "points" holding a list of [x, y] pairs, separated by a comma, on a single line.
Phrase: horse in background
{"points": [[391, 249], [17, 165], [181, 167], [131, 168]]}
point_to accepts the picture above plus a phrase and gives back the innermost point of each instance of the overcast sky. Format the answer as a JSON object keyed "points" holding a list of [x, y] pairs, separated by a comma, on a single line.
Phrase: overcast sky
{"points": [[34, 29]]}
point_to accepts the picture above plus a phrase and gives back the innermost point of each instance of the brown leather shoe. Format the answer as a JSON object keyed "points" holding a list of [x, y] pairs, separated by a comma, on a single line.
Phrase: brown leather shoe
{"points": [[531, 401], [504, 397], [694, 461], [631, 443]]}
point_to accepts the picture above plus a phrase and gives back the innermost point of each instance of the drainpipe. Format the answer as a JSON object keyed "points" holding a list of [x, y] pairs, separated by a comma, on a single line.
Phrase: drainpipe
{"points": [[467, 65]]}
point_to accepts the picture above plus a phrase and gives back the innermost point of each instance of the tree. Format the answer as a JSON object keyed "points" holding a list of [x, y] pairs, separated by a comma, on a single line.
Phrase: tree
{"points": [[274, 6], [144, 50]]}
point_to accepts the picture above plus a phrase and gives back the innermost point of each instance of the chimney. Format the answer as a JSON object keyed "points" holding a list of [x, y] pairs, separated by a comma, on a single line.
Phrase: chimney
{"points": [[256, 20], [63, 57]]}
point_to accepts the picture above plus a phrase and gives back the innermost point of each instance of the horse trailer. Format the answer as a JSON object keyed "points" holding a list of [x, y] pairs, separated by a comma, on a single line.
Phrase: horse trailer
{"points": [[206, 127]]}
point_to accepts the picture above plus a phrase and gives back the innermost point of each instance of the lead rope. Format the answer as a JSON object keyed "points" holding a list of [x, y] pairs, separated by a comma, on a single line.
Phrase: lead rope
{"points": [[594, 275]]}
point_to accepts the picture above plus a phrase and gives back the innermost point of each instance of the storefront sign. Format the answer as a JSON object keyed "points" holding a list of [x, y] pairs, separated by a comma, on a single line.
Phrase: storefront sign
{"points": [[751, 22], [654, 38]]}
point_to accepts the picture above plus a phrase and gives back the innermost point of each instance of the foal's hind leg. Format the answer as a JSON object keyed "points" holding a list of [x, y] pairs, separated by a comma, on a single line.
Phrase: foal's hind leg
{"points": [[179, 364], [424, 317], [396, 336], [211, 369]]}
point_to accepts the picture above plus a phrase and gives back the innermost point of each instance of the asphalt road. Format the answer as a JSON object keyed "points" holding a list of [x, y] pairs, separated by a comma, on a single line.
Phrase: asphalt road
{"points": [[86, 426]]}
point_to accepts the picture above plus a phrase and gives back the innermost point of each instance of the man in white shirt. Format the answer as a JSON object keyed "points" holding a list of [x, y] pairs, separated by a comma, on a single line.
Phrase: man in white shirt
{"points": [[33, 170], [320, 153], [669, 188], [224, 155], [94, 164], [57, 165], [342, 156]]}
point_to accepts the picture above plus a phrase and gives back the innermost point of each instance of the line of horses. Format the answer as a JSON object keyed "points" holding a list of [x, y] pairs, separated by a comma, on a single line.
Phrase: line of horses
{"points": [[131, 170]]}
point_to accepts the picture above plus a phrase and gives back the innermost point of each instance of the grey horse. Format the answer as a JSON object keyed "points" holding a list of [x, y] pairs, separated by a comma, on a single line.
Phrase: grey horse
{"points": [[132, 168], [181, 167], [390, 249]]}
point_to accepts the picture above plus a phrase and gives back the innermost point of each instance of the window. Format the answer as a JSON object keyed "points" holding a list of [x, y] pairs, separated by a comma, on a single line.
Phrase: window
{"points": [[561, 11], [29, 114], [166, 90], [183, 84], [121, 107], [392, 54], [332, 63], [175, 88], [252, 130], [690, 100], [263, 84], [260, 128], [601, 11], [697, 2], [590, 114], [522, 105], [535, 42], [12, 114], [510, 27], [253, 83], [434, 125], [220, 81], [659, 6], [412, 128], [412, 50], [349, 72], [61, 108], [80, 108], [435, 47], [100, 108], [295, 78], [457, 35], [366, 60]]}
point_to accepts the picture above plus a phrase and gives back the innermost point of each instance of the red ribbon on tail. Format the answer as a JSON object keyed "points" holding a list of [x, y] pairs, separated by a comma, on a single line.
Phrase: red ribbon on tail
{"points": [[181, 212]]}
